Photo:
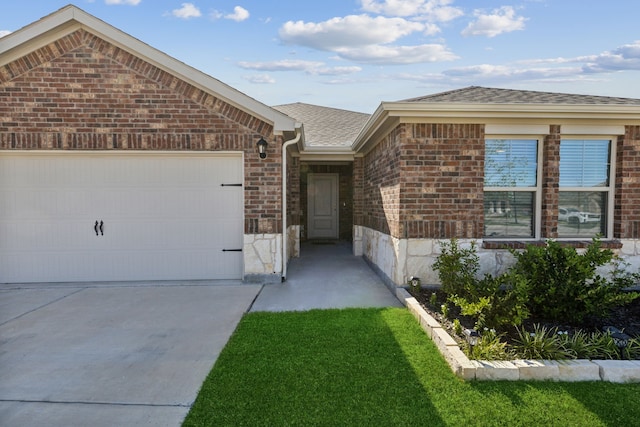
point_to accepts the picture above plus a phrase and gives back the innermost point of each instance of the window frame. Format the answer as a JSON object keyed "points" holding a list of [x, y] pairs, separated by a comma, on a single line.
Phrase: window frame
{"points": [[536, 190], [609, 189]]}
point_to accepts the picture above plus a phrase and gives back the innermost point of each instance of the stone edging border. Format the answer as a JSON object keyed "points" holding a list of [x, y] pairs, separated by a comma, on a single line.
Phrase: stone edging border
{"points": [[615, 371]]}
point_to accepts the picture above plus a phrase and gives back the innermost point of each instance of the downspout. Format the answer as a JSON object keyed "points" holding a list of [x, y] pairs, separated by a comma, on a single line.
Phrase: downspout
{"points": [[285, 237]]}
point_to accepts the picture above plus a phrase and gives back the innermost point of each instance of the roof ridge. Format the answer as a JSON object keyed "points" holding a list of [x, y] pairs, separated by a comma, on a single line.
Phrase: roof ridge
{"points": [[318, 106]]}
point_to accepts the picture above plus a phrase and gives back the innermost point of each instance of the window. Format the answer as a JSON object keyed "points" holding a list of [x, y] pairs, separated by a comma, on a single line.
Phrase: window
{"points": [[585, 188], [511, 188]]}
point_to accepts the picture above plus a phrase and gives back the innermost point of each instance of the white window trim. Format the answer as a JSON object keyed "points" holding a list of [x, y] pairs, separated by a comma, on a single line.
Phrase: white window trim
{"points": [[610, 189], [537, 190]]}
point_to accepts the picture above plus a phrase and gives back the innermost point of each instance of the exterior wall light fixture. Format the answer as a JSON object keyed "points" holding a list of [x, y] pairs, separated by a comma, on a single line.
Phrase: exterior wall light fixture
{"points": [[262, 148]]}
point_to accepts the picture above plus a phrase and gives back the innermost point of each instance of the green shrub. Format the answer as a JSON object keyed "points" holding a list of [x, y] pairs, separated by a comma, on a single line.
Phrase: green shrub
{"points": [[564, 286], [578, 345], [602, 346], [433, 299], [457, 327], [550, 282], [491, 346], [550, 343], [493, 302], [632, 351], [542, 343], [457, 267]]}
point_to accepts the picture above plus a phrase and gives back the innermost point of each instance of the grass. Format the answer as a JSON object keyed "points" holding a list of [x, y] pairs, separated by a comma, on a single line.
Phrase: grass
{"points": [[377, 367]]}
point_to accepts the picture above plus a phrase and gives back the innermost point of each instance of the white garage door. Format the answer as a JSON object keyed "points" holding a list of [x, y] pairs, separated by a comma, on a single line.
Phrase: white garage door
{"points": [[159, 217]]}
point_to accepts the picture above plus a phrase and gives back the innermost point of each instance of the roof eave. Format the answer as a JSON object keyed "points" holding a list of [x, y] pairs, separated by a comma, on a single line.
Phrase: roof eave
{"points": [[389, 114]]}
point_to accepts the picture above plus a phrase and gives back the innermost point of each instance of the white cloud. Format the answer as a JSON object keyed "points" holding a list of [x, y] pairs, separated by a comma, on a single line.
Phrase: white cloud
{"points": [[239, 14], [309, 67], [557, 70], [379, 54], [337, 71], [504, 72], [432, 10], [502, 20], [283, 65], [431, 29], [187, 11], [349, 31], [260, 79], [129, 2], [4, 33], [625, 57]]}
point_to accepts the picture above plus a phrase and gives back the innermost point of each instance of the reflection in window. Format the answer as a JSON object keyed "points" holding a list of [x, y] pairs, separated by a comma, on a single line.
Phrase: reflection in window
{"points": [[510, 163], [584, 188], [509, 214], [510, 188], [582, 214]]}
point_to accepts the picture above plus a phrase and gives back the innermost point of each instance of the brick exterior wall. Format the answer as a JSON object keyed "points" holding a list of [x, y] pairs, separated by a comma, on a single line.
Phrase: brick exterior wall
{"points": [[426, 181], [627, 192], [443, 178], [381, 185], [82, 93]]}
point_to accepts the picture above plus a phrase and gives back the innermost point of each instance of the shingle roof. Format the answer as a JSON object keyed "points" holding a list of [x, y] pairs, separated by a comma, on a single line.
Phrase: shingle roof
{"points": [[485, 95], [325, 126]]}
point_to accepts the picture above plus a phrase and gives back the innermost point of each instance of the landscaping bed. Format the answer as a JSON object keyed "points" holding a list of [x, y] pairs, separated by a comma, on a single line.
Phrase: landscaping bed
{"points": [[553, 303], [624, 318]]}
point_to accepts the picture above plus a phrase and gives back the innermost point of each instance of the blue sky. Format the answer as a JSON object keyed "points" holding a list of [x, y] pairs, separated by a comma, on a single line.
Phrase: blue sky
{"points": [[353, 54]]}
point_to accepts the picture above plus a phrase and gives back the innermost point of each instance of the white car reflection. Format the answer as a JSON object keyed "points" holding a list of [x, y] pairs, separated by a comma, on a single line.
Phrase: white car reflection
{"points": [[575, 216]]}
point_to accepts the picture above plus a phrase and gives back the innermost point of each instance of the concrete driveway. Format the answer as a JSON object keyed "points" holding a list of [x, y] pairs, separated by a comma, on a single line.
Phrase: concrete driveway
{"points": [[111, 354]]}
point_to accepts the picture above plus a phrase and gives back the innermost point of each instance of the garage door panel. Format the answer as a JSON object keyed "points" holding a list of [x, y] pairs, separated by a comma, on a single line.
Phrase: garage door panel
{"points": [[164, 217]]}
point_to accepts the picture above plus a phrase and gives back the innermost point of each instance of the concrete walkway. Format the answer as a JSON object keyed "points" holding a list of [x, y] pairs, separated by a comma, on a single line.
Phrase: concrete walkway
{"points": [[326, 276], [134, 354]]}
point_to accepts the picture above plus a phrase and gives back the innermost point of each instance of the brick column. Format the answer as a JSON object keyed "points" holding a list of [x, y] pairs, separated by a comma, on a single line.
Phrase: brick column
{"points": [[550, 182], [627, 185], [358, 190]]}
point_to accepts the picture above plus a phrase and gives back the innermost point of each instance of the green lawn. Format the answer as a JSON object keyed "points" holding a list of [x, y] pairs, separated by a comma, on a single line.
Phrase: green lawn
{"points": [[376, 367]]}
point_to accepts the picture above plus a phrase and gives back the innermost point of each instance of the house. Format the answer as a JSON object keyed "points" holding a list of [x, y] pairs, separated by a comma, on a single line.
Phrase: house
{"points": [[118, 162]]}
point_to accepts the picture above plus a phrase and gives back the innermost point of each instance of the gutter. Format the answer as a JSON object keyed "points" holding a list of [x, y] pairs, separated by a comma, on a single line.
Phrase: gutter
{"points": [[285, 237]]}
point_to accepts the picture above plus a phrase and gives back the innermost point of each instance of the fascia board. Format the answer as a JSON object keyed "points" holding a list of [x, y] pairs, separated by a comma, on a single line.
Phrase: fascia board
{"points": [[375, 125], [64, 20], [500, 111]]}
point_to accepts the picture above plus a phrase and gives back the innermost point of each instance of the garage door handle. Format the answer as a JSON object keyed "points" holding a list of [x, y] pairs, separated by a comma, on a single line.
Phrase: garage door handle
{"points": [[95, 228], [232, 250], [101, 225]]}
